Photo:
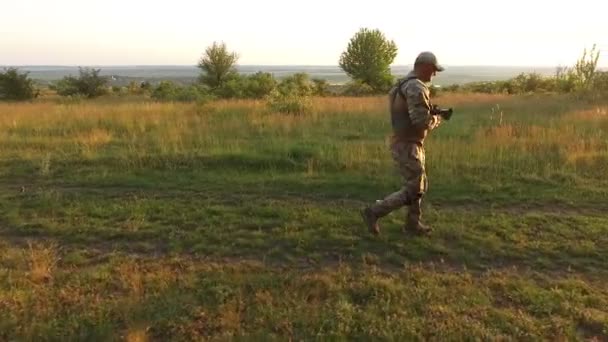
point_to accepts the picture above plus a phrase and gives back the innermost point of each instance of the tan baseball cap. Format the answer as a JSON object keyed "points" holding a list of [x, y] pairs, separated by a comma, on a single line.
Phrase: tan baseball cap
{"points": [[428, 57]]}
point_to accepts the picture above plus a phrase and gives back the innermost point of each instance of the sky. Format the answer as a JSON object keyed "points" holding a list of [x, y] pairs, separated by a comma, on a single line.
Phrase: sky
{"points": [[284, 32]]}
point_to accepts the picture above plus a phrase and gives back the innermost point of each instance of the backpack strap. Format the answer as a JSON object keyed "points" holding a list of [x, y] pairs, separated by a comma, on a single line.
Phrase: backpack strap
{"points": [[399, 90]]}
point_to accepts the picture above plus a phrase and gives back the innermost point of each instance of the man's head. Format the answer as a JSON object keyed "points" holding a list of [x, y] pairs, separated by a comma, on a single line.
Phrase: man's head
{"points": [[426, 66]]}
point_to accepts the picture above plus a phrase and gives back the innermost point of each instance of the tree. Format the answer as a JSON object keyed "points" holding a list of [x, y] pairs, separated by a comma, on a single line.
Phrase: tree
{"points": [[16, 86], [368, 57], [217, 65], [88, 84]]}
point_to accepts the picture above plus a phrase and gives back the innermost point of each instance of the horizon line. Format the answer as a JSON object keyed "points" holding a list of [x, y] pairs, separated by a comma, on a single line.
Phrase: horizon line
{"points": [[272, 65]]}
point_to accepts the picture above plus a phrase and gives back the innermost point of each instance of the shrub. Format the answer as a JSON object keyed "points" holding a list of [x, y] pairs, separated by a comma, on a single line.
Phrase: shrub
{"points": [[256, 86], [260, 85], [88, 84], [321, 87], [16, 86], [170, 92], [585, 69], [289, 103], [138, 88], [356, 88], [600, 82], [298, 84], [292, 95]]}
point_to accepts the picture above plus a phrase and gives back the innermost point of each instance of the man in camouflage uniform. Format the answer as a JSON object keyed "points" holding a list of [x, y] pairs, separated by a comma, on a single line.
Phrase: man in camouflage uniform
{"points": [[412, 117]]}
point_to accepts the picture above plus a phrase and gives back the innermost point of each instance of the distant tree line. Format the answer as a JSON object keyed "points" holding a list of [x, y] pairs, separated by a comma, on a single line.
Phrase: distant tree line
{"points": [[366, 60], [584, 77]]}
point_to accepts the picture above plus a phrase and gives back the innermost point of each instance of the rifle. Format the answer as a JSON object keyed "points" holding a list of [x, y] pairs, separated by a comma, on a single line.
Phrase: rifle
{"points": [[445, 113]]}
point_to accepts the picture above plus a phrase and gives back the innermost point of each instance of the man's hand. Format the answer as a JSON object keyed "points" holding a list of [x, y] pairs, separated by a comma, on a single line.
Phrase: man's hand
{"points": [[445, 114], [435, 121]]}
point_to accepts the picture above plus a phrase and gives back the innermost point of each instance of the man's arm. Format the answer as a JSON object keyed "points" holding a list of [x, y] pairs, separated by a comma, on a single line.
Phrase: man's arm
{"points": [[419, 107]]}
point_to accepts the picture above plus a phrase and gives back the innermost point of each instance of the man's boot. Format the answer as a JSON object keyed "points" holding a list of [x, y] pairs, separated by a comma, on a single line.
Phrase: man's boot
{"points": [[418, 228], [371, 220], [413, 224], [382, 208]]}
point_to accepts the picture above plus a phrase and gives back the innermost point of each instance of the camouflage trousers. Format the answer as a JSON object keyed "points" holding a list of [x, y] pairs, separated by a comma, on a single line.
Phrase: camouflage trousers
{"points": [[409, 159]]}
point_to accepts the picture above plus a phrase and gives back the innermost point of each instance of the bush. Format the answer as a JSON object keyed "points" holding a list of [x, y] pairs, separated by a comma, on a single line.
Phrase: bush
{"points": [[88, 84], [292, 95], [260, 85], [582, 78], [138, 88], [169, 91], [321, 87], [16, 86], [585, 69], [356, 88], [600, 82], [298, 84], [289, 103], [565, 80], [256, 86], [521, 84], [165, 91]]}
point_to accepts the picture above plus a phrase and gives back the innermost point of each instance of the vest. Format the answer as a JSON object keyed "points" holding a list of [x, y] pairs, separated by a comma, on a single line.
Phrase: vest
{"points": [[403, 129]]}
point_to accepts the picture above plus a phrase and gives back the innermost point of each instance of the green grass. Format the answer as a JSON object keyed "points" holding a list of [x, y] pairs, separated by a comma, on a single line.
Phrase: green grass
{"points": [[152, 221]]}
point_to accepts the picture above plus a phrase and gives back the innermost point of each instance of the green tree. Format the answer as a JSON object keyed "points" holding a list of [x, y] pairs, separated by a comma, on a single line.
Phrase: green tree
{"points": [[16, 86], [218, 65], [368, 57]]}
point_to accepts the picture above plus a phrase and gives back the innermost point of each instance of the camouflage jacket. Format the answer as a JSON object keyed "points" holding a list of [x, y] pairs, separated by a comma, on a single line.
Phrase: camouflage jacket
{"points": [[411, 117]]}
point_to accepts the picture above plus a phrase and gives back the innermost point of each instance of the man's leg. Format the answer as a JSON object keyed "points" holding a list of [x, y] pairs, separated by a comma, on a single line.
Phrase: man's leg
{"points": [[402, 155], [413, 223], [414, 213], [420, 184]]}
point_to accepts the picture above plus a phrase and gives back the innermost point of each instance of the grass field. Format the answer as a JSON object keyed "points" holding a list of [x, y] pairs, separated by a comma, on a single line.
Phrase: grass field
{"points": [[147, 221]]}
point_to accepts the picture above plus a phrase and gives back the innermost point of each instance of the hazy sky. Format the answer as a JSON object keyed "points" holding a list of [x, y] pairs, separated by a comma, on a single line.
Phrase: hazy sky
{"points": [[313, 32]]}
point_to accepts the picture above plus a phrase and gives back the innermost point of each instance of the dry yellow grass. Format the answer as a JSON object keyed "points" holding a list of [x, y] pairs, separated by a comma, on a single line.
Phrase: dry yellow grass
{"points": [[42, 261], [132, 279], [137, 334], [500, 128]]}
